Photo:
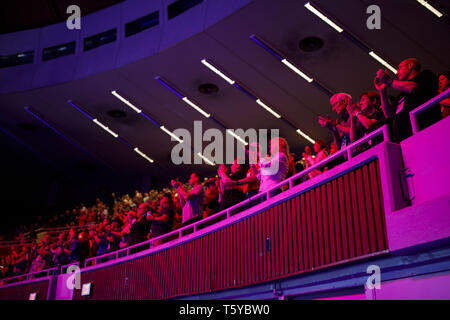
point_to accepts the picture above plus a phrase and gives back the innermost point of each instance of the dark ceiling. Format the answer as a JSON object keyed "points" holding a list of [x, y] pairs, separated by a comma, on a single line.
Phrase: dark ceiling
{"points": [[339, 64], [21, 15]]}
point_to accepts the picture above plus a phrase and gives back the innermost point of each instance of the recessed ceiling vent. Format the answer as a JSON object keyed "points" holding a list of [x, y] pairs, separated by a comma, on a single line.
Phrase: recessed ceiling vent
{"points": [[311, 44], [208, 88], [117, 114]]}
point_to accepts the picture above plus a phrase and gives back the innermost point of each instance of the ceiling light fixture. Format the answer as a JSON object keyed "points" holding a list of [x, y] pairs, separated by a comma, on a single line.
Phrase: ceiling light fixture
{"points": [[350, 36], [262, 104], [258, 101], [304, 135], [41, 119], [128, 103], [171, 134], [217, 71], [115, 135], [430, 7], [175, 137], [211, 163], [183, 97], [323, 17], [283, 60], [231, 133], [143, 155], [297, 70], [384, 63], [193, 105], [234, 83]]}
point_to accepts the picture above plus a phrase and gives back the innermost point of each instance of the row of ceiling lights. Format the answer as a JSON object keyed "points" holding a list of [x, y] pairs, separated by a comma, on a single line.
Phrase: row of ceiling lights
{"points": [[163, 128]]}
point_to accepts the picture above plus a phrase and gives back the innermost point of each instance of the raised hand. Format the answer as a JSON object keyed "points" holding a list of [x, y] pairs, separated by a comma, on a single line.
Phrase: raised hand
{"points": [[384, 76], [380, 86], [307, 150], [326, 122], [175, 184], [221, 169], [352, 108]]}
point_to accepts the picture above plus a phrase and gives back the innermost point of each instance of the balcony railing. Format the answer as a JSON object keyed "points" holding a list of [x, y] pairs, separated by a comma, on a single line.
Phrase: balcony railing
{"points": [[29, 276], [227, 213], [427, 105]]}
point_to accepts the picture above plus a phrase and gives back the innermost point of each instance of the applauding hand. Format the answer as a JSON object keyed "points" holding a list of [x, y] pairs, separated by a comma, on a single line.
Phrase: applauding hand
{"points": [[326, 122]]}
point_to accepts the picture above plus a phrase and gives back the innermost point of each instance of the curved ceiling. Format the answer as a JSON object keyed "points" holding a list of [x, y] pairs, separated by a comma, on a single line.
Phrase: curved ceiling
{"points": [[17, 16], [340, 65]]}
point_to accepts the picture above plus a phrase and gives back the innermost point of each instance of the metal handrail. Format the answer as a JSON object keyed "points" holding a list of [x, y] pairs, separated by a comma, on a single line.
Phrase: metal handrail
{"points": [[425, 106], [68, 265], [56, 229], [48, 230], [15, 242], [28, 276]]}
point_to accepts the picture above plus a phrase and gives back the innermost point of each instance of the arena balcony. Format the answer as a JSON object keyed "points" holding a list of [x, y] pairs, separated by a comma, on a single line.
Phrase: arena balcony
{"points": [[385, 207]]}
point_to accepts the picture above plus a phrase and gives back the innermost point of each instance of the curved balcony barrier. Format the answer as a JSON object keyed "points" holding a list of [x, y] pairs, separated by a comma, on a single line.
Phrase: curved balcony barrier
{"points": [[327, 224], [29, 276], [226, 214], [427, 105], [22, 291]]}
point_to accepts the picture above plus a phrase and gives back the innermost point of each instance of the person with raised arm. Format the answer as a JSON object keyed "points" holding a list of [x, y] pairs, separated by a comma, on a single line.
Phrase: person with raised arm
{"points": [[192, 201], [415, 87]]}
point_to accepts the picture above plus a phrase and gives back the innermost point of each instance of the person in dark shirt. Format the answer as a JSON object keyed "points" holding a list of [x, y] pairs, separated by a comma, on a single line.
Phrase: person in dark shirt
{"points": [[162, 218], [340, 128], [211, 204], [231, 195], [416, 87], [140, 226], [113, 237], [85, 249], [74, 246], [59, 256], [19, 260], [101, 241], [366, 116]]}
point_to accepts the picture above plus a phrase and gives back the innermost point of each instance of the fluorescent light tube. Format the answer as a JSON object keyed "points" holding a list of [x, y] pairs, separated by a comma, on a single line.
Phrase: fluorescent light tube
{"points": [[384, 63], [128, 103], [430, 7], [231, 133], [262, 104], [217, 71], [206, 159], [105, 128], [296, 70], [171, 134], [143, 155], [323, 17], [304, 135], [189, 102]]}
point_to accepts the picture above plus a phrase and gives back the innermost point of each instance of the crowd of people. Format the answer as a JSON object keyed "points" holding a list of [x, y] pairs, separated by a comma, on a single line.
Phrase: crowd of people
{"points": [[126, 220]]}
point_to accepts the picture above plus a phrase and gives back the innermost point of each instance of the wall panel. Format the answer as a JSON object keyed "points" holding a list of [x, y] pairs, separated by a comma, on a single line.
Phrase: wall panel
{"points": [[22, 292]]}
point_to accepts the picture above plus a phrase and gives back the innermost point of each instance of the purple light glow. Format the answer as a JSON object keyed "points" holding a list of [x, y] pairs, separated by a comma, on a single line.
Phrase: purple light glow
{"points": [[263, 45], [79, 109], [165, 84]]}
